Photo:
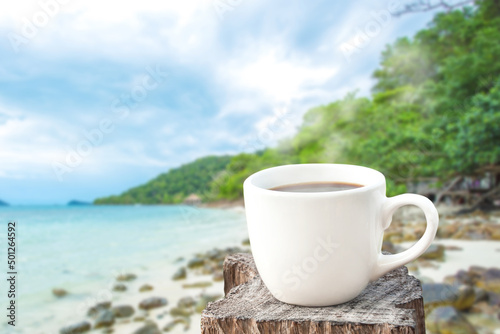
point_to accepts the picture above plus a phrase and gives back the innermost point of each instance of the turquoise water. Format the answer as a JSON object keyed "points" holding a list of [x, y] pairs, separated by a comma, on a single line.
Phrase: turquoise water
{"points": [[75, 247]]}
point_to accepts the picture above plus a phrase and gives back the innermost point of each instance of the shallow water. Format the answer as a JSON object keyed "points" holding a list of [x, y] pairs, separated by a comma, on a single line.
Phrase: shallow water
{"points": [[82, 248]]}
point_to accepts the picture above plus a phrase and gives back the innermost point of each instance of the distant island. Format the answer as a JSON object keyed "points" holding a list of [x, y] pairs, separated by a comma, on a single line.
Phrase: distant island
{"points": [[76, 203], [2, 203], [433, 115]]}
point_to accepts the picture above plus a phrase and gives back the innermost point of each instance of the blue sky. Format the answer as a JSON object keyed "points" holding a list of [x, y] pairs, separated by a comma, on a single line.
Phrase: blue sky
{"points": [[100, 96]]}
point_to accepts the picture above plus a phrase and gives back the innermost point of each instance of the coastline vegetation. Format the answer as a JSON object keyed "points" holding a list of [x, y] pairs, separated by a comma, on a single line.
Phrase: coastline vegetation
{"points": [[173, 186]]}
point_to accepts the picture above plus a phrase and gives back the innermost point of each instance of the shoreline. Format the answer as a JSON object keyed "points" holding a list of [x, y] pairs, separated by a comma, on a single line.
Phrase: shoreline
{"points": [[224, 204], [459, 254]]}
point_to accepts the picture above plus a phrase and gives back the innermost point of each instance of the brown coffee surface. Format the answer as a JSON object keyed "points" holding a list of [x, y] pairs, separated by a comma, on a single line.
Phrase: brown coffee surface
{"points": [[316, 187]]}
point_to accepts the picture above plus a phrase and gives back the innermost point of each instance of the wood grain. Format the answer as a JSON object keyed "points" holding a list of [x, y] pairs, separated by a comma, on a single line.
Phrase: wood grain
{"points": [[392, 304]]}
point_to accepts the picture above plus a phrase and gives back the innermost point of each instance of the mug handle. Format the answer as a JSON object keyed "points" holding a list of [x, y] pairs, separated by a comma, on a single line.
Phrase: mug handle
{"points": [[386, 263]]}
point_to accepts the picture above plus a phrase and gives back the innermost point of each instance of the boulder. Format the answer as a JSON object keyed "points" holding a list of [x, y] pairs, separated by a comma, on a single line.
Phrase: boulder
{"points": [[119, 287], [94, 310], [209, 268], [180, 312], [197, 285], [180, 274], [438, 294], [105, 318], [481, 295], [186, 302], [476, 273], [490, 280], [145, 287], [434, 252], [448, 320], [214, 254], [483, 309], [389, 247], [126, 277], [461, 277], [148, 328], [195, 262], [412, 267], [78, 328], [59, 292], [206, 298], [169, 326], [122, 311], [218, 276], [447, 231], [453, 248], [392, 235], [152, 302], [494, 299], [409, 234]]}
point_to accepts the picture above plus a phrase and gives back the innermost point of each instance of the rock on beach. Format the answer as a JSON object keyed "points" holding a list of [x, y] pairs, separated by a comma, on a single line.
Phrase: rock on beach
{"points": [[105, 318], [59, 292], [126, 277], [94, 310], [145, 288], [78, 328], [180, 274], [119, 287], [148, 328], [439, 294], [152, 302], [122, 311], [448, 320]]}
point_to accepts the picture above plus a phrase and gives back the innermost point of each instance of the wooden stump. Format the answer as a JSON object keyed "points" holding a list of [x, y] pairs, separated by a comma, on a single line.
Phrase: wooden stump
{"points": [[392, 304]]}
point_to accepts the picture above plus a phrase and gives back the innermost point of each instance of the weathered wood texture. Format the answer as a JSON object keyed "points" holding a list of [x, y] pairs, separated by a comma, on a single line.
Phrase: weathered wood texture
{"points": [[392, 304], [238, 269]]}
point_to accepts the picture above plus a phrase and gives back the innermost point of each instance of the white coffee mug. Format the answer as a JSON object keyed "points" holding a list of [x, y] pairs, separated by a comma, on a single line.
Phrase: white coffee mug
{"points": [[323, 248]]}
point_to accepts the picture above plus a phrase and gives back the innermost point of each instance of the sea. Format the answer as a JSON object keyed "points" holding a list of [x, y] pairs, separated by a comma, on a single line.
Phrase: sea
{"points": [[81, 249]]}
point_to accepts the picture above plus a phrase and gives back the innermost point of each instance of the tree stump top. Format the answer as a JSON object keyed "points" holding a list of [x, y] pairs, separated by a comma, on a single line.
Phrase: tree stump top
{"points": [[392, 304]]}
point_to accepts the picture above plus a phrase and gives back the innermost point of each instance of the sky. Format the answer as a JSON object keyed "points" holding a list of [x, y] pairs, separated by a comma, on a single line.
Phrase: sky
{"points": [[100, 96]]}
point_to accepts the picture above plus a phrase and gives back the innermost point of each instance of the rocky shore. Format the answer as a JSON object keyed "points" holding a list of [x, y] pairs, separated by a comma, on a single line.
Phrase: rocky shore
{"points": [[460, 296], [156, 313], [460, 275]]}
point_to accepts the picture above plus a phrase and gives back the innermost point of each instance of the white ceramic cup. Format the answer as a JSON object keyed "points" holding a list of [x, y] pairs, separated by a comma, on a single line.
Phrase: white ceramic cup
{"points": [[323, 248]]}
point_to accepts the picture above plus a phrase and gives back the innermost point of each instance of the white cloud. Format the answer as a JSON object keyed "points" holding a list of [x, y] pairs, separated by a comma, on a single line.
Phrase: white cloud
{"points": [[264, 80], [273, 86], [274, 76], [126, 153], [104, 13], [242, 105], [29, 143], [112, 29]]}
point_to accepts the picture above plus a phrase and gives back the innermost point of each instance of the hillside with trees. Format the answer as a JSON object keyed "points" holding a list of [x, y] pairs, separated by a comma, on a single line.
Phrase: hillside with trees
{"points": [[434, 112], [175, 185]]}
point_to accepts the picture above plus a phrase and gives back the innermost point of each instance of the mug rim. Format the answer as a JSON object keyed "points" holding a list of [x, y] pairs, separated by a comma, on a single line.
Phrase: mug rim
{"points": [[378, 181]]}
